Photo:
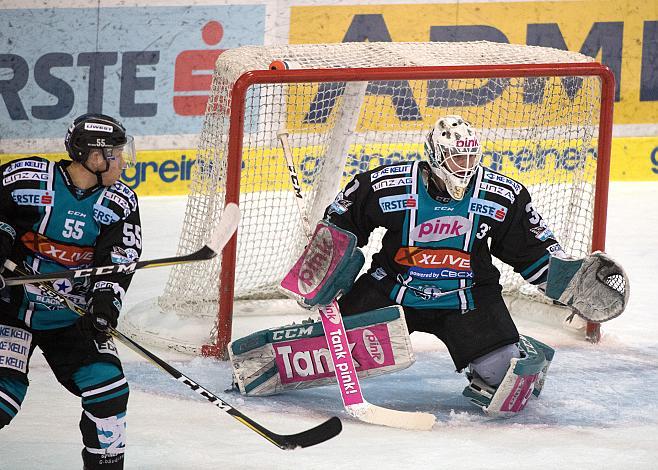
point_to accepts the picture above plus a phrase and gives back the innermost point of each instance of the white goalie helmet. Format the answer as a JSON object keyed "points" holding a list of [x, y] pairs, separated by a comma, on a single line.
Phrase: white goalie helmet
{"points": [[454, 153]]}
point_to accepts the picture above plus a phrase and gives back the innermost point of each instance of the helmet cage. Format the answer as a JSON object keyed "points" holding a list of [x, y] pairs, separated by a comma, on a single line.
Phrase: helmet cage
{"points": [[454, 153]]}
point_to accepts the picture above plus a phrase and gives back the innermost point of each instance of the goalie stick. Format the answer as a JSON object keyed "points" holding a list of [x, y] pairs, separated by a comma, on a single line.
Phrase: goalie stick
{"points": [[320, 433], [334, 330], [223, 232]]}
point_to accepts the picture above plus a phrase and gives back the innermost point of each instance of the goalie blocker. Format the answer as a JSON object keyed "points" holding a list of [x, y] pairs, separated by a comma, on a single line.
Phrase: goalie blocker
{"points": [[327, 267], [297, 356]]}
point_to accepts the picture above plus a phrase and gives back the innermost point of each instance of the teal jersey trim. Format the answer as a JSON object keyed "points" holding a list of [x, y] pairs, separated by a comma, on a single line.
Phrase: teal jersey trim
{"points": [[92, 374], [7, 410], [533, 267], [106, 397]]}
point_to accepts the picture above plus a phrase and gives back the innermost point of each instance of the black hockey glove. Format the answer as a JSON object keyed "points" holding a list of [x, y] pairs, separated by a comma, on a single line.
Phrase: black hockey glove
{"points": [[101, 317]]}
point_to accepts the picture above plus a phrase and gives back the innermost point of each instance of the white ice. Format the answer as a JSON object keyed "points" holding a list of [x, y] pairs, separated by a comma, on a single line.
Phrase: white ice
{"points": [[598, 409]]}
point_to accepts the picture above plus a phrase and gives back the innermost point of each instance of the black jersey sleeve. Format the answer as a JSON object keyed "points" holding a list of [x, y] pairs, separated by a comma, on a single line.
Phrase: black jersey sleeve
{"points": [[118, 242], [352, 209], [7, 230], [524, 241]]}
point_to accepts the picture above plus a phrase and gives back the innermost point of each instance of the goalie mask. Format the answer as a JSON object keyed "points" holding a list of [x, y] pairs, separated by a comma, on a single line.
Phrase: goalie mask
{"points": [[454, 153], [98, 131]]}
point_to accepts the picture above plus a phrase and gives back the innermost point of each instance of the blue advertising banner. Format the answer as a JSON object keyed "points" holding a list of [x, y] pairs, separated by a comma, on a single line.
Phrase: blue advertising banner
{"points": [[149, 67]]}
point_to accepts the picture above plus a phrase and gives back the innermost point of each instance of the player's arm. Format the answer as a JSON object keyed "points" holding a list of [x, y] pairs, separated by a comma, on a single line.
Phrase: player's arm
{"points": [[525, 241], [595, 287], [118, 242], [352, 209], [7, 230]]}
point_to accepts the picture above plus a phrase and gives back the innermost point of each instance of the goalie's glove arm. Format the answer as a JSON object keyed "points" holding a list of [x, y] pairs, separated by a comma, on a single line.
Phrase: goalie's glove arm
{"points": [[524, 241]]}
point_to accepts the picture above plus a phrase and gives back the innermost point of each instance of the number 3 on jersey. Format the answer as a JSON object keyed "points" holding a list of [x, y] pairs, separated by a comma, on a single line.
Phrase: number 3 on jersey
{"points": [[132, 235], [73, 229], [484, 229]]}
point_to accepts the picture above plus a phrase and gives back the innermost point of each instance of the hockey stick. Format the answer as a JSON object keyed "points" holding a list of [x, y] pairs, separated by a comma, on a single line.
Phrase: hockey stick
{"points": [[310, 437], [227, 225], [334, 331]]}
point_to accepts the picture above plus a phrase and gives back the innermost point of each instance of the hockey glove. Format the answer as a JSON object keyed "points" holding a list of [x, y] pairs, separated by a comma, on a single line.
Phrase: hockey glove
{"points": [[596, 287], [102, 316], [327, 267]]}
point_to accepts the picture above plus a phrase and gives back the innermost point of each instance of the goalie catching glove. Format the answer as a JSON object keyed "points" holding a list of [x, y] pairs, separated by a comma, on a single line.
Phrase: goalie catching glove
{"points": [[596, 287], [327, 267]]}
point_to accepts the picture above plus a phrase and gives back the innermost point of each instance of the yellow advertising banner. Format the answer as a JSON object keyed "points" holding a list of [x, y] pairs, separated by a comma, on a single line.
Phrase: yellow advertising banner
{"points": [[168, 172], [622, 34]]}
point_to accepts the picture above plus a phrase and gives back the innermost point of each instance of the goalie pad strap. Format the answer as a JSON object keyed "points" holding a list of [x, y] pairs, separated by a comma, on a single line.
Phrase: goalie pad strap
{"points": [[327, 267], [296, 356]]}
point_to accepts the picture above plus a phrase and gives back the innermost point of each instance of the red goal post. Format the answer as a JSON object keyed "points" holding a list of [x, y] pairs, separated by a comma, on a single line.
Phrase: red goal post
{"points": [[544, 117]]}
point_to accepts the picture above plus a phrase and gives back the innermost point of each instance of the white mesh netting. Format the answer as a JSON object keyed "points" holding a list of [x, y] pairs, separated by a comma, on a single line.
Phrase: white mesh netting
{"points": [[541, 131]]}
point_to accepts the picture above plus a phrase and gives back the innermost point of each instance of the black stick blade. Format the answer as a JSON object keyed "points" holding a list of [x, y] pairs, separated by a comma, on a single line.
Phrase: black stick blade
{"points": [[322, 432]]}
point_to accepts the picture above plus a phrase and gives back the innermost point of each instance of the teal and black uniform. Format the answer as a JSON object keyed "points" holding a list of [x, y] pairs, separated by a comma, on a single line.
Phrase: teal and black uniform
{"points": [[436, 255], [47, 225]]}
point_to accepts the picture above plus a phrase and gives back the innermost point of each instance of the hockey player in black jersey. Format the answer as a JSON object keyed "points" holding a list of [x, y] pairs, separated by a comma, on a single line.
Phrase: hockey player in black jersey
{"points": [[68, 215], [444, 219]]}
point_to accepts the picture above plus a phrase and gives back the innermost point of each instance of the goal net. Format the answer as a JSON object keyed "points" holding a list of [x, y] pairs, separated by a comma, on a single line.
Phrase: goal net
{"points": [[542, 115]]}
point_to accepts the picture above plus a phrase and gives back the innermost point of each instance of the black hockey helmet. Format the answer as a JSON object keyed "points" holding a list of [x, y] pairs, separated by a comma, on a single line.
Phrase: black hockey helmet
{"points": [[94, 131]]}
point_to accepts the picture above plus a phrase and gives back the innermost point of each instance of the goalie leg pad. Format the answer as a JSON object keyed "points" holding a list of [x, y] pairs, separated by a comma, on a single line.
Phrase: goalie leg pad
{"points": [[524, 378], [296, 356], [327, 267], [492, 367]]}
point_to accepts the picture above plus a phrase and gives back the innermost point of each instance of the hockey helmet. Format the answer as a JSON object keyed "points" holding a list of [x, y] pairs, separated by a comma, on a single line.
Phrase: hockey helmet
{"points": [[98, 131], [453, 137]]}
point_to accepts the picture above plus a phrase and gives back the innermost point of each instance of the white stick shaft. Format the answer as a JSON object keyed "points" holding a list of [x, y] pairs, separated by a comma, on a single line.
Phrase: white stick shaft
{"points": [[287, 152]]}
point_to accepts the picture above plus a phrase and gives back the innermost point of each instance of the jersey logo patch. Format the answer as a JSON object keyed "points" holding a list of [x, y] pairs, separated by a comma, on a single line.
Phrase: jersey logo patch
{"points": [[24, 175], [390, 171], [441, 228], [104, 215], [393, 182], [433, 258], [488, 209], [15, 346], [33, 197], [400, 202], [118, 200], [491, 176], [66, 255], [29, 164], [501, 191]]}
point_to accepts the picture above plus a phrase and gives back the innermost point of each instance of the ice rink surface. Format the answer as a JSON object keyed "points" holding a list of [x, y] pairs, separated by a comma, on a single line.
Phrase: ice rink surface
{"points": [[597, 411]]}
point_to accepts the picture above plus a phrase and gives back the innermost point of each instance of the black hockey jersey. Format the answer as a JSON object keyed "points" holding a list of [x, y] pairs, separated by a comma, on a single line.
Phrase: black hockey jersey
{"points": [[48, 225], [438, 253]]}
